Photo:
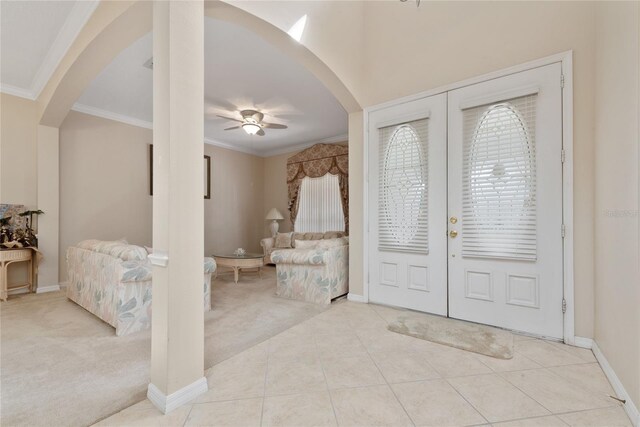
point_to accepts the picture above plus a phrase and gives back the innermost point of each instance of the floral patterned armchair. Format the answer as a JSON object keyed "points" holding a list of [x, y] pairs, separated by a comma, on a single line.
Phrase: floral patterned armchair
{"points": [[112, 280], [315, 275]]}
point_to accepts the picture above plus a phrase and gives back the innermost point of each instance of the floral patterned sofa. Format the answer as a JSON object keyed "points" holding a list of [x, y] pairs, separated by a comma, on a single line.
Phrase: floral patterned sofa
{"points": [[112, 279], [315, 271]]}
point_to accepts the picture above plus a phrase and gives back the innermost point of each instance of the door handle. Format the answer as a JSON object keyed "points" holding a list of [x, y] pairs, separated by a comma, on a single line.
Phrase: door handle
{"points": [[453, 220], [453, 234]]}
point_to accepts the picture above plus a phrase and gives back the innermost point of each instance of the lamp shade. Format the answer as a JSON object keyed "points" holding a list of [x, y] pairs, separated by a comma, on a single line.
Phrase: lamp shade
{"points": [[251, 128], [274, 214]]}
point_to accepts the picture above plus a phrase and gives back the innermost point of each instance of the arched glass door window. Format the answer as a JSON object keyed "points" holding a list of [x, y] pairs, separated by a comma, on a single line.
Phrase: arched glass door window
{"points": [[499, 180], [403, 210]]}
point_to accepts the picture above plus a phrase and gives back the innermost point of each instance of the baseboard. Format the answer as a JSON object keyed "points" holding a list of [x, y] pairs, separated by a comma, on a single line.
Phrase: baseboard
{"points": [[356, 298], [176, 399], [583, 342], [50, 288], [630, 408]]}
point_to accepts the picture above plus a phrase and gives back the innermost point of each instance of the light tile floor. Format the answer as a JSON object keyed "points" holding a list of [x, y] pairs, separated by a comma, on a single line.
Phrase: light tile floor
{"points": [[344, 368]]}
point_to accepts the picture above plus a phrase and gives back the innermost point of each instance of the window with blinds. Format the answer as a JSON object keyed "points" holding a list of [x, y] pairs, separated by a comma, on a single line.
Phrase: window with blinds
{"points": [[320, 207], [499, 180], [402, 210]]}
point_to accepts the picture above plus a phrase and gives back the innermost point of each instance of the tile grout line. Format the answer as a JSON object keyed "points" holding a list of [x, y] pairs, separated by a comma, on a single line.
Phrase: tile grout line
{"points": [[467, 400], [382, 375], [546, 369], [186, 420], [324, 374], [266, 375]]}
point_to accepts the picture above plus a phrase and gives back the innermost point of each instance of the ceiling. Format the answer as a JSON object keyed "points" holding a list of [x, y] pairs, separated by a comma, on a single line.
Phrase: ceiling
{"points": [[241, 72], [34, 36]]}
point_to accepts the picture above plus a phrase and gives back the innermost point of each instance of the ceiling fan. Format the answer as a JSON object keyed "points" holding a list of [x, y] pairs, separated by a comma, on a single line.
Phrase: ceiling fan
{"points": [[252, 122]]}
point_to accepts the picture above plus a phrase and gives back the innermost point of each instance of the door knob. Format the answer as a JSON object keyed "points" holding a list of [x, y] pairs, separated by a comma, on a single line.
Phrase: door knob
{"points": [[453, 220], [453, 234]]}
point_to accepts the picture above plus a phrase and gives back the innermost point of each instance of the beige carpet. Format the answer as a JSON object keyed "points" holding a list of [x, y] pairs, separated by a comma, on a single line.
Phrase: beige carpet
{"points": [[468, 336], [62, 366]]}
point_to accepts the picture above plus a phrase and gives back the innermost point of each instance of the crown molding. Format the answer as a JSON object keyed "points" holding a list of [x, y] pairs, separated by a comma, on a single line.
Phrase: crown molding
{"points": [[17, 91], [75, 22], [299, 147], [98, 112], [228, 146]]}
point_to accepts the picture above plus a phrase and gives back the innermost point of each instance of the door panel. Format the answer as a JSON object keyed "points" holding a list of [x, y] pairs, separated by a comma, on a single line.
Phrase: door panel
{"points": [[407, 205], [505, 202]]}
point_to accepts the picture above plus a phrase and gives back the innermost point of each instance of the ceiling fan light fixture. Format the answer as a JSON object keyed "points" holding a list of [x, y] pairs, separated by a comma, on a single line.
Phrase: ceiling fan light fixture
{"points": [[251, 128]]}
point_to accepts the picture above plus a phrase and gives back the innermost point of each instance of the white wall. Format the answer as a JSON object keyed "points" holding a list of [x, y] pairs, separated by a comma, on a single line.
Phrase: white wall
{"points": [[233, 217], [18, 148], [104, 182], [276, 191], [104, 189], [403, 50], [617, 256]]}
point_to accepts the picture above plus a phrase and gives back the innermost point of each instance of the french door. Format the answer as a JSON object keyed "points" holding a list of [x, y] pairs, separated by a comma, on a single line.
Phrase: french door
{"points": [[465, 203], [505, 202], [408, 205]]}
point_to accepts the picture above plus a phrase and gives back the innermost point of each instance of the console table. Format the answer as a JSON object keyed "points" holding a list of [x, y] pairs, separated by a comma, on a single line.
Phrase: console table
{"points": [[8, 257]]}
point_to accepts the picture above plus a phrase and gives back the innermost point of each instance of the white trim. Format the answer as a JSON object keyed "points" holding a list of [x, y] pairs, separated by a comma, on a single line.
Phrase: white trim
{"points": [[105, 114], [356, 298], [159, 258], [122, 118], [566, 59], [497, 97], [228, 146], [365, 204], [176, 399], [75, 22], [567, 196], [630, 408], [17, 91], [17, 291], [299, 147], [583, 342], [50, 288]]}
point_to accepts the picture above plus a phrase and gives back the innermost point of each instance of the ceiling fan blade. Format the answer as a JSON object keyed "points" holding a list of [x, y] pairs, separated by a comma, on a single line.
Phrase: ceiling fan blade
{"points": [[274, 125], [234, 127], [229, 118], [260, 132]]}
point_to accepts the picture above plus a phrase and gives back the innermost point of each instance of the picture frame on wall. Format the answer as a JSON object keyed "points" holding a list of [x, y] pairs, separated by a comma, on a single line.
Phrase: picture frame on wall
{"points": [[206, 175]]}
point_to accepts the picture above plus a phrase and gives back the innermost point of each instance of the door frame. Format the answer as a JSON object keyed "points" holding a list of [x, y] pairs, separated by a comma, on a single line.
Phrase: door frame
{"points": [[566, 61]]}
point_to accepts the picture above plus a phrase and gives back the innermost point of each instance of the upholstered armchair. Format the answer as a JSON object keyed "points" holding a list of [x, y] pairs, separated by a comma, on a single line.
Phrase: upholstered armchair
{"points": [[314, 275], [269, 244]]}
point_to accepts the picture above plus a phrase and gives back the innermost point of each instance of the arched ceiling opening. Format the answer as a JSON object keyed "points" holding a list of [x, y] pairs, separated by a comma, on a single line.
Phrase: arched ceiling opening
{"points": [[242, 72], [114, 28]]}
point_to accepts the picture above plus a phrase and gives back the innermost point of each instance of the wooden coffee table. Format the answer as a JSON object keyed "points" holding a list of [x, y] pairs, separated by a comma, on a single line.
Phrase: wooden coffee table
{"points": [[240, 262]]}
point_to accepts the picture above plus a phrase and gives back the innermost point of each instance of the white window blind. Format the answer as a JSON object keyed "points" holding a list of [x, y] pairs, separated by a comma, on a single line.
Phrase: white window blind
{"points": [[403, 211], [499, 180], [320, 206]]}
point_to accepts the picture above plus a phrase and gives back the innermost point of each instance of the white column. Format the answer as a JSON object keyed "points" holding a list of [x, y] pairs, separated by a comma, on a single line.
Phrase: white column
{"points": [[48, 201], [177, 336]]}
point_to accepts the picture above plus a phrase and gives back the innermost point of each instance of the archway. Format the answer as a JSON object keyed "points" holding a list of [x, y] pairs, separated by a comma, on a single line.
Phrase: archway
{"points": [[116, 25]]}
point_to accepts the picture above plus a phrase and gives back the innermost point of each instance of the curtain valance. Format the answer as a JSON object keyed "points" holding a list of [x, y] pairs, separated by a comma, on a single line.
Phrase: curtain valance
{"points": [[314, 162]]}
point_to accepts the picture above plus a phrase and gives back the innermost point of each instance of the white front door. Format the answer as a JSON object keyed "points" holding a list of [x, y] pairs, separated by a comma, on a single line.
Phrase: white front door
{"points": [[505, 202], [407, 205]]}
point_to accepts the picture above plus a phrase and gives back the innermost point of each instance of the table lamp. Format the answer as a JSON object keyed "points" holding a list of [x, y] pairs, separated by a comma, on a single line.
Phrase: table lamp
{"points": [[274, 216]]}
